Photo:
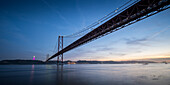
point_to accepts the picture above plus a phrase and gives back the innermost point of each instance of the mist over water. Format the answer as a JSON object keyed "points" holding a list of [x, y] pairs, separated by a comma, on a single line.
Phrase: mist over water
{"points": [[85, 74]]}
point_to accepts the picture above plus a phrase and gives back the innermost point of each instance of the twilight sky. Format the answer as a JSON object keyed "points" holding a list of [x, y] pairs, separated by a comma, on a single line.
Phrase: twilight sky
{"points": [[31, 27]]}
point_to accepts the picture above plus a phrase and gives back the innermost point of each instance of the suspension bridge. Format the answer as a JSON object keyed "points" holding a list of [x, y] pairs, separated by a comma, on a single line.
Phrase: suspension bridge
{"points": [[127, 14]]}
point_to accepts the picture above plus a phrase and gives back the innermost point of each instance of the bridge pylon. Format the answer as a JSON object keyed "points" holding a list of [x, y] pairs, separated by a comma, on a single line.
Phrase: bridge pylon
{"points": [[60, 47]]}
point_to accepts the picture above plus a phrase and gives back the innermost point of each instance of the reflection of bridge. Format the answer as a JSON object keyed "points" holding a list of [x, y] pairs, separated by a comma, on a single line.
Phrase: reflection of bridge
{"points": [[132, 13]]}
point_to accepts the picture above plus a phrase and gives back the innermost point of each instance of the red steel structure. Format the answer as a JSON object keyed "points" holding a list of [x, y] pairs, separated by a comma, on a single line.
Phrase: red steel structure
{"points": [[132, 13], [60, 47]]}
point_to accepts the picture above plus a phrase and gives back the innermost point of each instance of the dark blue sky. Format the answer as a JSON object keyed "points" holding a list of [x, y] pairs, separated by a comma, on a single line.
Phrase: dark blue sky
{"points": [[31, 27]]}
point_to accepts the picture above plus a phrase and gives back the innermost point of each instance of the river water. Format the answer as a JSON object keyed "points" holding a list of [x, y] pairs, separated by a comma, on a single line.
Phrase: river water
{"points": [[85, 74]]}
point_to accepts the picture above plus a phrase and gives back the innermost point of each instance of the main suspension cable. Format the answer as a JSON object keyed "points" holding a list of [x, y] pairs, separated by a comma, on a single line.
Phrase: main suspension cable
{"points": [[91, 27]]}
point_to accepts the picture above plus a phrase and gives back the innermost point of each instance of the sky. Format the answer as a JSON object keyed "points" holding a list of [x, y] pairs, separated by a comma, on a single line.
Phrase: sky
{"points": [[31, 27]]}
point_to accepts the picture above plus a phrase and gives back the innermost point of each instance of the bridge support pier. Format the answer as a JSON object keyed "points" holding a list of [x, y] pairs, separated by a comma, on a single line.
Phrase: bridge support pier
{"points": [[60, 47]]}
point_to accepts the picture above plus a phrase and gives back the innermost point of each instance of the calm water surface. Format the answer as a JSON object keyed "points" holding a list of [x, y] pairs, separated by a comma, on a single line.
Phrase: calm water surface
{"points": [[85, 74]]}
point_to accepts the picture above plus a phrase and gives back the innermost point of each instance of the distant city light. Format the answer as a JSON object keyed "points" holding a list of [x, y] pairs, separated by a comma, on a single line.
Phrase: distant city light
{"points": [[33, 57]]}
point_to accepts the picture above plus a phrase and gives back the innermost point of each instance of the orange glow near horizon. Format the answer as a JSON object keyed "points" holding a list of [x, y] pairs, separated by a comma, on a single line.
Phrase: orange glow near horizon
{"points": [[130, 59]]}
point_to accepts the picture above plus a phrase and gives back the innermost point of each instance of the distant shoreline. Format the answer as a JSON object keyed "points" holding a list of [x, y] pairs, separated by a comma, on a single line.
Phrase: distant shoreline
{"points": [[39, 62]]}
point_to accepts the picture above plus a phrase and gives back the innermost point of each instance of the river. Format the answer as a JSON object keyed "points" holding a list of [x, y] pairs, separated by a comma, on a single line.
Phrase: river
{"points": [[85, 74]]}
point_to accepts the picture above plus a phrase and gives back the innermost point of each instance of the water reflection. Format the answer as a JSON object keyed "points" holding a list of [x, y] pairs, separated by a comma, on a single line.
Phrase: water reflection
{"points": [[32, 74], [92, 74], [59, 74]]}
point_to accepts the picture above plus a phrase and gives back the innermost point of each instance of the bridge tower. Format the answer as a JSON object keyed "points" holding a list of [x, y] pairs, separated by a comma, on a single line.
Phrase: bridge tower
{"points": [[60, 47]]}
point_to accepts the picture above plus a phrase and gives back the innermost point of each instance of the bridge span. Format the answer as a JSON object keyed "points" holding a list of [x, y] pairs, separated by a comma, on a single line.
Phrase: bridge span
{"points": [[132, 13]]}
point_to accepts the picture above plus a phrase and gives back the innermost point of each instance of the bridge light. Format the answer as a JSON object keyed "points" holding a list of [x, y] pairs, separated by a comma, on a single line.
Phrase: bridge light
{"points": [[143, 11], [149, 8]]}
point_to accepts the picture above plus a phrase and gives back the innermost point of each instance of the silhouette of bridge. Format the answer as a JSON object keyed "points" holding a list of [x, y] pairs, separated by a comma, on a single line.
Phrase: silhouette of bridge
{"points": [[134, 12]]}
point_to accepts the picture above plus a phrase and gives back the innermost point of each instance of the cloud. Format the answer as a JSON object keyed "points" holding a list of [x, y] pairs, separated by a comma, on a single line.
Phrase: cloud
{"points": [[157, 33], [11, 30], [118, 54], [142, 41], [163, 59], [81, 14], [167, 59], [135, 41], [104, 49], [57, 12]]}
